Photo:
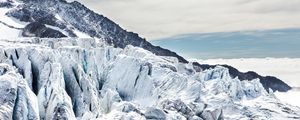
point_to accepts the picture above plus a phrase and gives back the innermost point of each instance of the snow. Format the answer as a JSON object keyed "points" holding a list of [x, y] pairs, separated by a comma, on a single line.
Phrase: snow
{"points": [[58, 17], [88, 79], [81, 34], [58, 29], [85, 78], [5, 31], [8, 33], [17, 101], [292, 97], [286, 69], [77, 32], [52, 93], [9, 20]]}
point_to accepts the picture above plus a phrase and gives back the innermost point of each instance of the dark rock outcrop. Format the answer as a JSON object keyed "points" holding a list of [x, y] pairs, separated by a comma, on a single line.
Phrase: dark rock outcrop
{"points": [[37, 29], [6, 4]]}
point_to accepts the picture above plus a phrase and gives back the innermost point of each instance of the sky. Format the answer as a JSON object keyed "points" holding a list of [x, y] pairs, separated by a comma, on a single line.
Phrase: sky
{"points": [[279, 43], [155, 19]]}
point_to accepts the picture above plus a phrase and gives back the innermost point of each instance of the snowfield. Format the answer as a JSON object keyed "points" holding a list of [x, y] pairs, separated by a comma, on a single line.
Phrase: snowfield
{"points": [[5, 31], [286, 69]]}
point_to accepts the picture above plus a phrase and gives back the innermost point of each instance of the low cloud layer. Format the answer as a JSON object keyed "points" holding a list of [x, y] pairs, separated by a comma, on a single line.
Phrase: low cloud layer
{"points": [[155, 19]]}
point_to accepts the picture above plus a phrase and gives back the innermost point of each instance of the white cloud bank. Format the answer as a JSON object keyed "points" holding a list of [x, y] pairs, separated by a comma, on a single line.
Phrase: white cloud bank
{"points": [[163, 18]]}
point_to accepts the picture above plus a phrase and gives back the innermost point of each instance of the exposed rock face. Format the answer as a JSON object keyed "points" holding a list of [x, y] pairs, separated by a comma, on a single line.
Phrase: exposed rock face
{"points": [[89, 79], [6, 4], [36, 29]]}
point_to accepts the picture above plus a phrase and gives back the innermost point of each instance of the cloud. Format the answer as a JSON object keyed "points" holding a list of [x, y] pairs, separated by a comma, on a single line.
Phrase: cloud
{"points": [[163, 18]]}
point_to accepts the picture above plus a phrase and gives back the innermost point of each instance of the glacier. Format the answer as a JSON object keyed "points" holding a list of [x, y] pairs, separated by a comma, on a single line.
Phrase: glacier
{"points": [[60, 60], [74, 78]]}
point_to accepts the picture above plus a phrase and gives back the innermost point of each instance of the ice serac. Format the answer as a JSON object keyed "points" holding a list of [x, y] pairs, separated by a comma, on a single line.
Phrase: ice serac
{"points": [[54, 102], [83, 79], [17, 101]]}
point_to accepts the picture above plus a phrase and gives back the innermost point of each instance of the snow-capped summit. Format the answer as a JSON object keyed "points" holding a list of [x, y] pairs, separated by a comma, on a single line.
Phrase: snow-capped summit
{"points": [[60, 60]]}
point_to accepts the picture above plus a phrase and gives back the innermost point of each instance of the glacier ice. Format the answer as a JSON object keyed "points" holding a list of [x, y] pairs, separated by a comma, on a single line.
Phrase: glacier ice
{"points": [[72, 78], [17, 101]]}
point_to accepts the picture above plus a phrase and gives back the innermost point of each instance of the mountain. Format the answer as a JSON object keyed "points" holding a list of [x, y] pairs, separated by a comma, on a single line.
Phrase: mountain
{"points": [[47, 72], [58, 18], [73, 19]]}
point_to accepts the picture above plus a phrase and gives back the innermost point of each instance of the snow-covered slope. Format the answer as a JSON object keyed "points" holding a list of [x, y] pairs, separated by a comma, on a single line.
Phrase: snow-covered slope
{"points": [[9, 28], [87, 79]]}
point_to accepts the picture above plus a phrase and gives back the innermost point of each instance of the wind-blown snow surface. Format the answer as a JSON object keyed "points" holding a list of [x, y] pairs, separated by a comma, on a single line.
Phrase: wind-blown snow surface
{"points": [[88, 79], [286, 69]]}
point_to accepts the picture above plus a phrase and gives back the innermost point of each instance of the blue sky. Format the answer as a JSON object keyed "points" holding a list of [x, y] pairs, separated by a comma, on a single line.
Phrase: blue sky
{"points": [[155, 19]]}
